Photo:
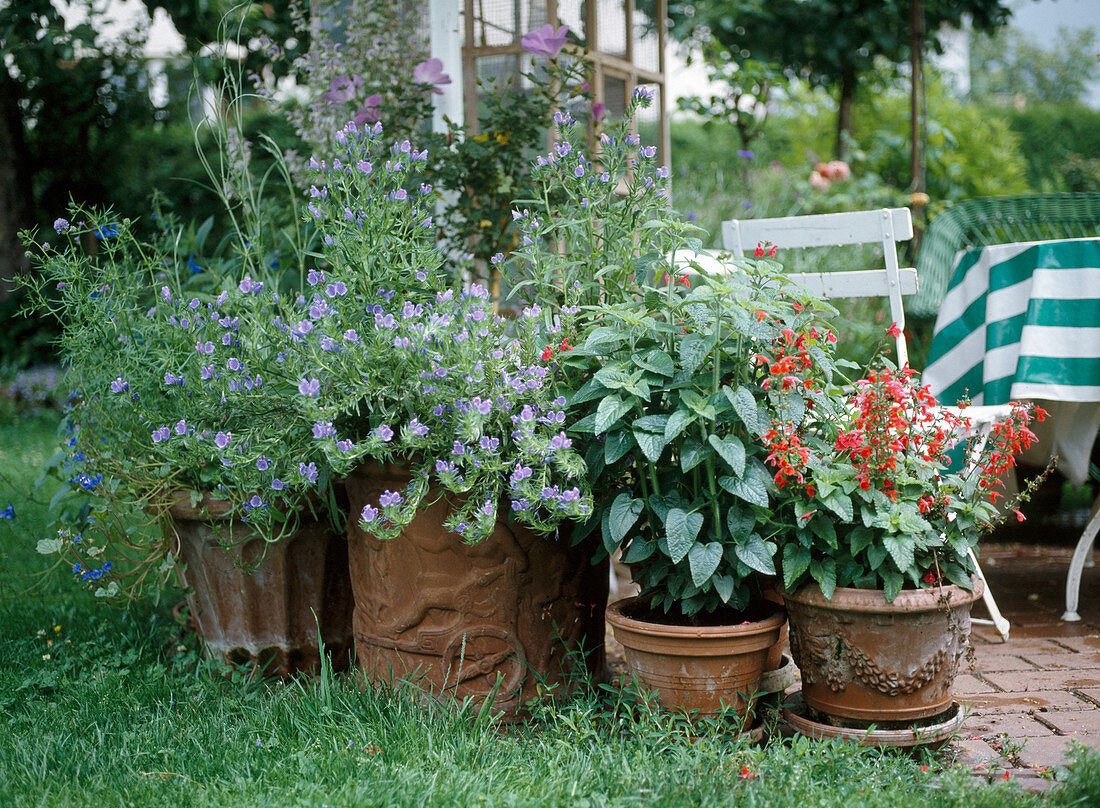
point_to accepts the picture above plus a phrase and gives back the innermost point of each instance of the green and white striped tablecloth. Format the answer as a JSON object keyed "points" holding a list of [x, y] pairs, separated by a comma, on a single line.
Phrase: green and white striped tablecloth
{"points": [[1022, 321]]}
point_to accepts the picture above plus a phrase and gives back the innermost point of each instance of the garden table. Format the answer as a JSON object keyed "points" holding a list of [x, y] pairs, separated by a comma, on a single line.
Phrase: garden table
{"points": [[1022, 321]]}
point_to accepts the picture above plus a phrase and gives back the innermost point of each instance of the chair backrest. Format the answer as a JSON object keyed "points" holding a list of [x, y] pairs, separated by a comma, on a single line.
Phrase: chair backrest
{"points": [[886, 227], [996, 220]]}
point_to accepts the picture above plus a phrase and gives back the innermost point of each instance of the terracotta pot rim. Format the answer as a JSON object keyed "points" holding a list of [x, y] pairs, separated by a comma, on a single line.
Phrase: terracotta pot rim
{"points": [[874, 600], [209, 507], [617, 619]]}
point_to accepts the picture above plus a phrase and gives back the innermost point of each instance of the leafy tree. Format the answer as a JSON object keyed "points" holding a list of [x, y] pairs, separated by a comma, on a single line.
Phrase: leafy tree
{"points": [[1010, 65], [830, 43], [69, 100]]}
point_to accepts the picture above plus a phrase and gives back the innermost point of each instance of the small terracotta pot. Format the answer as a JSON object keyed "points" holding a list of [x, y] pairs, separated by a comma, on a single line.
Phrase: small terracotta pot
{"points": [[454, 618], [865, 659], [775, 653], [697, 668], [259, 603]]}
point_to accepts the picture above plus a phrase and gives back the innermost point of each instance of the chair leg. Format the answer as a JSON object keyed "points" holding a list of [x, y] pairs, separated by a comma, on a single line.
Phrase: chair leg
{"points": [[998, 622], [1081, 555]]}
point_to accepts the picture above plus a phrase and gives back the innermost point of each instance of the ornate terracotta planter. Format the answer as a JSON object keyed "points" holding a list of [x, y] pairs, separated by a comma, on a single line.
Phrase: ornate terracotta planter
{"points": [[455, 618], [868, 660], [254, 602], [697, 668]]}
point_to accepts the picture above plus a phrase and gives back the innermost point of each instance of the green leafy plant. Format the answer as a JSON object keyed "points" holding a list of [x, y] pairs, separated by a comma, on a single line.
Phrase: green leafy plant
{"points": [[864, 497]]}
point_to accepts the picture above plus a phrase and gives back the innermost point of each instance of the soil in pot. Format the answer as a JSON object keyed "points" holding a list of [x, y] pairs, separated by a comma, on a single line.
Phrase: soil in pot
{"points": [[260, 604], [865, 660], [515, 617], [702, 665]]}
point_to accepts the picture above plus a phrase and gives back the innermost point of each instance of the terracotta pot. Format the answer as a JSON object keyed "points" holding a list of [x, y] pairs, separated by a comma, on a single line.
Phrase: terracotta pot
{"points": [[775, 654], [255, 602], [453, 618], [865, 659], [697, 668]]}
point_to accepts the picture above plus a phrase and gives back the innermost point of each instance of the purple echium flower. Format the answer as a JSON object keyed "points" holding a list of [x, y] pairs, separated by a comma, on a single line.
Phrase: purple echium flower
{"points": [[314, 277], [644, 93], [223, 439], [430, 71], [248, 285], [161, 434], [171, 378], [277, 484], [227, 339], [262, 463], [527, 414], [207, 371], [328, 344], [308, 470], [458, 449], [545, 41], [323, 429], [338, 289], [521, 473], [344, 446], [560, 441], [417, 428], [120, 385], [649, 151], [520, 505], [389, 498], [369, 514], [383, 433], [483, 407], [351, 336], [571, 495], [364, 166], [310, 387], [488, 508], [489, 444], [233, 363], [444, 467], [204, 347], [548, 493]]}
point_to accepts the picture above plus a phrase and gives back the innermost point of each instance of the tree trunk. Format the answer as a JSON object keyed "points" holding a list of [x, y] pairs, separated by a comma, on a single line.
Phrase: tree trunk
{"points": [[848, 79], [14, 184], [916, 130]]}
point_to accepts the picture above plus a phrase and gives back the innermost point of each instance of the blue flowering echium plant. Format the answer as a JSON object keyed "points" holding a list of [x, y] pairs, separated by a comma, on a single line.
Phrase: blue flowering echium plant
{"points": [[394, 361]]}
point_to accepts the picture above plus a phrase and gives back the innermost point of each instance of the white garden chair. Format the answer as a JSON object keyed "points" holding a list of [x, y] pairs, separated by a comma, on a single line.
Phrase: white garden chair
{"points": [[885, 227]]}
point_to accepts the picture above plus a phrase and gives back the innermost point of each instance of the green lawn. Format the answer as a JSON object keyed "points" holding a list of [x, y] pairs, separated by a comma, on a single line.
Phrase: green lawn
{"points": [[106, 706]]}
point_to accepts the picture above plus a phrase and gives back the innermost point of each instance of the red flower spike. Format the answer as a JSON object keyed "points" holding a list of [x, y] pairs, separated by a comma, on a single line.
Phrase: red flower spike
{"points": [[893, 330], [565, 346], [759, 251], [548, 354], [747, 774], [1019, 516]]}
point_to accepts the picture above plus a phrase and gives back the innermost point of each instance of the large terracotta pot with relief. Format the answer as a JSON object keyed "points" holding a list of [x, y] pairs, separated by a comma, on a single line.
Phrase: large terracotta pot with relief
{"points": [[261, 604], [864, 659], [506, 618]]}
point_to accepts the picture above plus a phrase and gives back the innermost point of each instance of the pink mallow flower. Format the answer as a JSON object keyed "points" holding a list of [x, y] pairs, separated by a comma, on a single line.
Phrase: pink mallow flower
{"points": [[545, 41], [430, 71]]}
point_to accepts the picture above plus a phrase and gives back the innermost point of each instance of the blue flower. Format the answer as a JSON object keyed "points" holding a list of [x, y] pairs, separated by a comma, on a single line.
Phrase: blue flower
{"points": [[310, 387], [369, 514], [61, 226], [106, 231], [193, 265], [8, 512], [389, 498]]}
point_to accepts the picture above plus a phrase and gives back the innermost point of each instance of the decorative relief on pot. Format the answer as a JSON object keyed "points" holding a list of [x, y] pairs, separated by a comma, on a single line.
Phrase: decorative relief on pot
{"points": [[506, 614], [862, 658], [832, 660]]}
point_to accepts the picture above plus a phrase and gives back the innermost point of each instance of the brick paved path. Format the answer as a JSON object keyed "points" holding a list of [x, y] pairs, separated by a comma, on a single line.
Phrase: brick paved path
{"points": [[1033, 696]]}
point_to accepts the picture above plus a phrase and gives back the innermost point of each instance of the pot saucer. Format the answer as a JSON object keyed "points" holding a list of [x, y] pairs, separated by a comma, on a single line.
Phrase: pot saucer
{"points": [[796, 716], [778, 680]]}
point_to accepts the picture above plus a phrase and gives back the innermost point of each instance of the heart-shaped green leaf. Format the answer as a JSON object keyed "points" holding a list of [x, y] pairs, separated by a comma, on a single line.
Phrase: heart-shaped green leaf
{"points": [[681, 528]]}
